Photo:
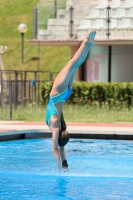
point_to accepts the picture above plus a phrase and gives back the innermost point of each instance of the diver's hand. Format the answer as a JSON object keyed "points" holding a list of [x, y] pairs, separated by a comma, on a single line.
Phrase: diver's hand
{"points": [[65, 165], [65, 169]]}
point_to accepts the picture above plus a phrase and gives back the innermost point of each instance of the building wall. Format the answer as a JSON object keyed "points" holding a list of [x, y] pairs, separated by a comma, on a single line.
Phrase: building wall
{"points": [[97, 64], [121, 65]]}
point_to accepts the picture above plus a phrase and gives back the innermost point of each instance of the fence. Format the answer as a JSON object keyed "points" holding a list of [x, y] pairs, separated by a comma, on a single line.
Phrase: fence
{"points": [[19, 88], [56, 9], [48, 10]]}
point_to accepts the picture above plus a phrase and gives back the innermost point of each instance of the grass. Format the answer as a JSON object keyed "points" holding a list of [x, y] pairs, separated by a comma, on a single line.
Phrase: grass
{"points": [[74, 113], [12, 13], [91, 114]]}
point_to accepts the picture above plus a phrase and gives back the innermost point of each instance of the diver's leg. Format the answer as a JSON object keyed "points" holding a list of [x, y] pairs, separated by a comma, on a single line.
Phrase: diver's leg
{"points": [[72, 79], [64, 77]]}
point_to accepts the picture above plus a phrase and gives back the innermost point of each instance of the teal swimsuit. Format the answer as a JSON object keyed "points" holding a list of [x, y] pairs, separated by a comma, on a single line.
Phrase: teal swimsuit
{"points": [[51, 110]]}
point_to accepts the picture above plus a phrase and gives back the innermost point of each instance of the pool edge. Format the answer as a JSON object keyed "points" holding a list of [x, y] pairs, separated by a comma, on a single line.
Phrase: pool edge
{"points": [[30, 134]]}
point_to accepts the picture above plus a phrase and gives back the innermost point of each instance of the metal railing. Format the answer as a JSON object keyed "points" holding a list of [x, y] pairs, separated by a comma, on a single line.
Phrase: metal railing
{"points": [[20, 88]]}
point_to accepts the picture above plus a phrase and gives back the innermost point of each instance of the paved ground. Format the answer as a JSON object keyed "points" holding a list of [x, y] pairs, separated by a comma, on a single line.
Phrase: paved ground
{"points": [[81, 130]]}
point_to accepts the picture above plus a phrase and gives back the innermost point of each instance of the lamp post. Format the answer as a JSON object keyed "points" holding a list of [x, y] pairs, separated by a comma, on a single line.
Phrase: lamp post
{"points": [[55, 9], [2, 50], [22, 28]]}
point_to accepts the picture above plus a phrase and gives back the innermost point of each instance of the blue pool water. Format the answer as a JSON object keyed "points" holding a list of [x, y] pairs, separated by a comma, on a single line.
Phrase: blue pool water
{"points": [[98, 170]]}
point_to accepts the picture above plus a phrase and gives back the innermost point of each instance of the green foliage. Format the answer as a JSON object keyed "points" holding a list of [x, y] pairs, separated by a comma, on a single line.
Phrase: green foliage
{"points": [[15, 12], [108, 95], [45, 91]]}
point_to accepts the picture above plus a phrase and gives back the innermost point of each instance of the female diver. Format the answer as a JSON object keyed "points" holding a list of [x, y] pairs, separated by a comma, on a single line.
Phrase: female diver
{"points": [[60, 92]]}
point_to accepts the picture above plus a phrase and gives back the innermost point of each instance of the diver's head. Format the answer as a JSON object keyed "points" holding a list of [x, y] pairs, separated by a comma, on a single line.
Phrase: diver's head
{"points": [[63, 138]]}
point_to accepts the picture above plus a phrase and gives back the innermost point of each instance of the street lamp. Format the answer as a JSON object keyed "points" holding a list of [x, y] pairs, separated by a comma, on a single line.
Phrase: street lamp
{"points": [[2, 50], [55, 9], [22, 28]]}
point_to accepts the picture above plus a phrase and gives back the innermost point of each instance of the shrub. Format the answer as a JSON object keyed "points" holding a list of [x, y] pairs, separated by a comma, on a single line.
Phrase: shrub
{"points": [[102, 94]]}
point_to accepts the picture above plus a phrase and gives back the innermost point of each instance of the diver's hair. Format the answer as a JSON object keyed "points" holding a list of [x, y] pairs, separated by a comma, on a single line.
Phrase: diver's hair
{"points": [[63, 138]]}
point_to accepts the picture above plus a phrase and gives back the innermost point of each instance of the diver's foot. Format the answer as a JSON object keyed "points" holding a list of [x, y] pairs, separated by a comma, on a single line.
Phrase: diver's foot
{"points": [[90, 37]]}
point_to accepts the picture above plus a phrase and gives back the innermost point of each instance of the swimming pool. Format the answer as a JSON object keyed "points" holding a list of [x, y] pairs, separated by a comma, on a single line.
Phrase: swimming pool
{"points": [[98, 170]]}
